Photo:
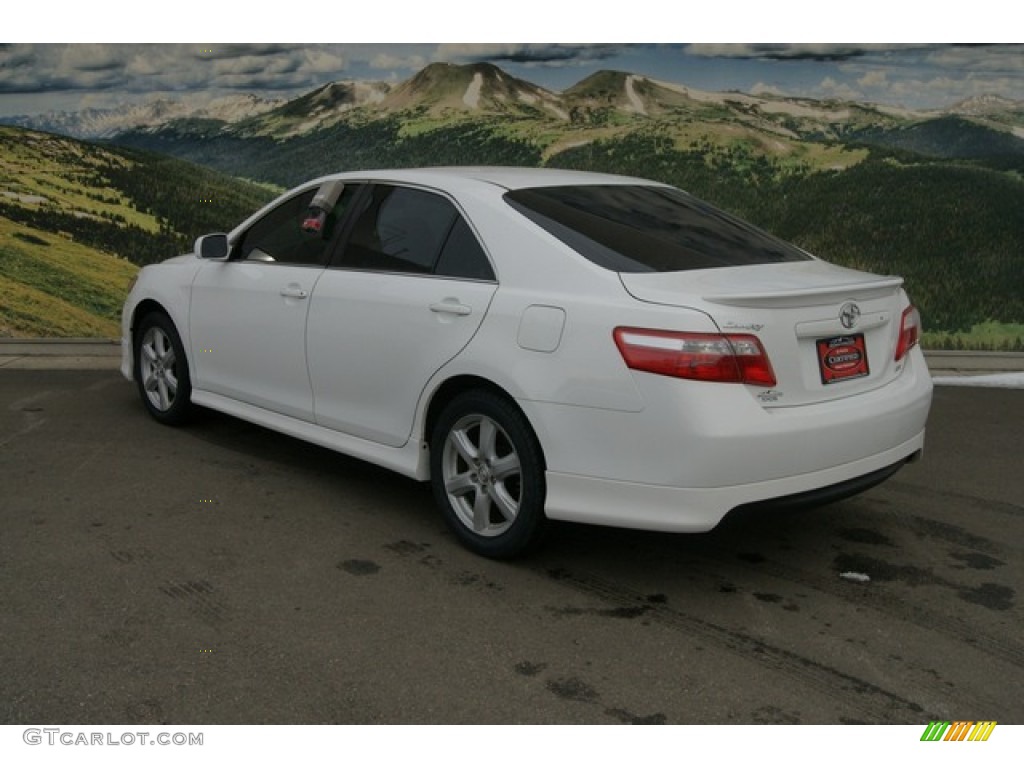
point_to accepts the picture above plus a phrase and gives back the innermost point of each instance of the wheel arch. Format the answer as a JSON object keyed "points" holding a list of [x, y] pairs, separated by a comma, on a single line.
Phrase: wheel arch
{"points": [[455, 386], [150, 305], [143, 308]]}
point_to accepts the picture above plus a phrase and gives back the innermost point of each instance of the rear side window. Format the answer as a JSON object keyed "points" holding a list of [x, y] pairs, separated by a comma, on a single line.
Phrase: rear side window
{"points": [[462, 255], [635, 228]]}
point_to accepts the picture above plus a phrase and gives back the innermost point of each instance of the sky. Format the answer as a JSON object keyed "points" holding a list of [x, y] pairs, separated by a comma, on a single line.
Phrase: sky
{"points": [[48, 75]]}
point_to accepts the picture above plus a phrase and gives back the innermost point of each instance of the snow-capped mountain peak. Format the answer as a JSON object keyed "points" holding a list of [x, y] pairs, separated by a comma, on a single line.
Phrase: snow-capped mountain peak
{"points": [[105, 123]]}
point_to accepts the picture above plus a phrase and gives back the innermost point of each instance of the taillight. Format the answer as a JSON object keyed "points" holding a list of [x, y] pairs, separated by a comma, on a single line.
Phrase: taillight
{"points": [[736, 358], [910, 332]]}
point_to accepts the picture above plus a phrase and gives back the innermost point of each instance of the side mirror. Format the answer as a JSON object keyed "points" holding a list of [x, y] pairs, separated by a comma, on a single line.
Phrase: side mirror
{"points": [[212, 246]]}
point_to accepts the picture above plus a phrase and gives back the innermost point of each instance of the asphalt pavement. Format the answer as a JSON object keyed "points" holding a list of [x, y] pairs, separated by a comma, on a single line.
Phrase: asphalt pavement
{"points": [[221, 573]]}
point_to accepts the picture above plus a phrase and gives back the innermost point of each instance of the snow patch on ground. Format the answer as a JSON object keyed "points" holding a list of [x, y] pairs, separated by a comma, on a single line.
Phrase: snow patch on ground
{"points": [[854, 576], [305, 127], [908, 114], [471, 98], [545, 101], [558, 111], [801, 110], [28, 199], [635, 102], [768, 103], [999, 380], [714, 97], [369, 94]]}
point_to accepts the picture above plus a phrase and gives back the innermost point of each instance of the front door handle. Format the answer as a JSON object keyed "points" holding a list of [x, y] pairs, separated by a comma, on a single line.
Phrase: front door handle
{"points": [[294, 292], [452, 307]]}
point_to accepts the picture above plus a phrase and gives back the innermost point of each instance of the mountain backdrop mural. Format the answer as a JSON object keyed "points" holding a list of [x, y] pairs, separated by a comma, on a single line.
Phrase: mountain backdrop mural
{"points": [[935, 195]]}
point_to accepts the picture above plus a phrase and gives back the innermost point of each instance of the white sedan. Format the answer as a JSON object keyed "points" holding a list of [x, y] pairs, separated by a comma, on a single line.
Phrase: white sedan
{"points": [[539, 345]]}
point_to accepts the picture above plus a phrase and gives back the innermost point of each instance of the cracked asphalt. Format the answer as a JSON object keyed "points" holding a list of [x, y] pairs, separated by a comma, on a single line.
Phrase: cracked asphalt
{"points": [[221, 573]]}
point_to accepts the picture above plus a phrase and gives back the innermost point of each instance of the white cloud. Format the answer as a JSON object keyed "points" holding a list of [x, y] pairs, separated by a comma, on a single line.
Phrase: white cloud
{"points": [[324, 61], [391, 61], [940, 76], [766, 89], [1008, 59], [143, 68], [875, 78], [88, 57], [945, 90], [830, 88]]}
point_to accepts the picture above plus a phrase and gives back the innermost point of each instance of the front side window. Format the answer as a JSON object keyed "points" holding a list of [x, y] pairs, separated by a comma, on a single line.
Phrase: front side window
{"points": [[414, 231], [279, 237], [636, 228]]}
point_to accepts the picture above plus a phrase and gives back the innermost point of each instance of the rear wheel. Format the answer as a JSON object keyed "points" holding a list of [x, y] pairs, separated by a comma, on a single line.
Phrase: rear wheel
{"points": [[487, 474], [161, 370]]}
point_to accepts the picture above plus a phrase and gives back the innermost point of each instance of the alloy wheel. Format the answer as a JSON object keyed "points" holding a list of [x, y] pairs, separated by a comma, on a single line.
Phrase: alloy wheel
{"points": [[157, 367], [482, 475]]}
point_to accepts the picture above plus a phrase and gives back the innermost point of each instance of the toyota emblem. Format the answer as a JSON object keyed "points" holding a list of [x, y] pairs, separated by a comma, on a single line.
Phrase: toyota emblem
{"points": [[849, 313]]}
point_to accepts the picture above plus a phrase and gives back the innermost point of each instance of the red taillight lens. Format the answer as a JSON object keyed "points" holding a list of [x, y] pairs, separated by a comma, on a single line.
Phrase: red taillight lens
{"points": [[736, 358], [910, 332]]}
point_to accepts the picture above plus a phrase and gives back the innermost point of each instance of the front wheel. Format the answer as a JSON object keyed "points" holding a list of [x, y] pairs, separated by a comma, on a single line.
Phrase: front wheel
{"points": [[161, 370], [487, 473]]}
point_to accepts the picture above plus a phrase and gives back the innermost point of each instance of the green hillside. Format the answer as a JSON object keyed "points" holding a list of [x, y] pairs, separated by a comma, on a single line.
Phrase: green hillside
{"points": [[945, 137], [53, 286], [77, 220]]}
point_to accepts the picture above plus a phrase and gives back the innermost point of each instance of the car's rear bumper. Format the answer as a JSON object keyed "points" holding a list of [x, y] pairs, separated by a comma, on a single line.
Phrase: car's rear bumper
{"points": [[583, 499], [710, 435], [699, 450]]}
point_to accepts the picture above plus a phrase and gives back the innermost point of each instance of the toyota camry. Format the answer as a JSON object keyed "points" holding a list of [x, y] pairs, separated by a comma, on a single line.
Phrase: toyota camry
{"points": [[539, 345]]}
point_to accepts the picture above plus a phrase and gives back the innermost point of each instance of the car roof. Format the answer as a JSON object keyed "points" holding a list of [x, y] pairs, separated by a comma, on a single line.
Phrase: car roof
{"points": [[503, 176]]}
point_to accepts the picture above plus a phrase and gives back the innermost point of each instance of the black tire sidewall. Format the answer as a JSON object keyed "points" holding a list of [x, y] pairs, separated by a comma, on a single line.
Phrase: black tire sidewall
{"points": [[181, 410], [526, 531]]}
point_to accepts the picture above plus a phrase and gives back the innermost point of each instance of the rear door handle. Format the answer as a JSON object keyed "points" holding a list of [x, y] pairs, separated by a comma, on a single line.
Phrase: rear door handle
{"points": [[294, 292], [451, 308]]}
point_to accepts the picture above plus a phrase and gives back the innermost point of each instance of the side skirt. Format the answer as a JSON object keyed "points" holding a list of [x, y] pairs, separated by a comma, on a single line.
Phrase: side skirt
{"points": [[411, 460]]}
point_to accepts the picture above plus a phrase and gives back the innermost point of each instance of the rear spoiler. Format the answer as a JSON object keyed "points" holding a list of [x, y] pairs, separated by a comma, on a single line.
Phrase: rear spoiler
{"points": [[825, 292]]}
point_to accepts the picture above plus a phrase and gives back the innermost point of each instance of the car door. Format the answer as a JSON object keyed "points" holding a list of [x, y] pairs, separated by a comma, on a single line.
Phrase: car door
{"points": [[403, 295], [248, 314]]}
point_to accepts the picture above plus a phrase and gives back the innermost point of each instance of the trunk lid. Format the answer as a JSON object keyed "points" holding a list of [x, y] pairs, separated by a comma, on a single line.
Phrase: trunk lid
{"points": [[829, 332]]}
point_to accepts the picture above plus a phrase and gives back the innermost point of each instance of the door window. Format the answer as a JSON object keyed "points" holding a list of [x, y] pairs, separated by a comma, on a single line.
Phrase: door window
{"points": [[279, 236], [414, 231]]}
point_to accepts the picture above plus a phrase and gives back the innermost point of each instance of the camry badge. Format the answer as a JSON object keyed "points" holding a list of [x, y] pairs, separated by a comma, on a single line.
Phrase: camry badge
{"points": [[849, 313]]}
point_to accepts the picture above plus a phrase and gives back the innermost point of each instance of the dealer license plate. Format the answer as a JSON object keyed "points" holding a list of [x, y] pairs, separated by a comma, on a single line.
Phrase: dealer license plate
{"points": [[842, 357]]}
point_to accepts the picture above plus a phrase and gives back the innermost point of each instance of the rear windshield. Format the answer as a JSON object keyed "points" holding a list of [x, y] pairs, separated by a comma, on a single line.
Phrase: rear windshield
{"points": [[635, 228]]}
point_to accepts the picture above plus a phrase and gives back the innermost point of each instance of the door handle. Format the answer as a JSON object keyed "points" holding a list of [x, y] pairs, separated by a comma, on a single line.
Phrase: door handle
{"points": [[451, 308], [294, 292]]}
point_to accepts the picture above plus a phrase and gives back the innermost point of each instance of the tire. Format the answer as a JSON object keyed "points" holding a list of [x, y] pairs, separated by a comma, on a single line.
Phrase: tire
{"points": [[487, 473], [161, 370]]}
